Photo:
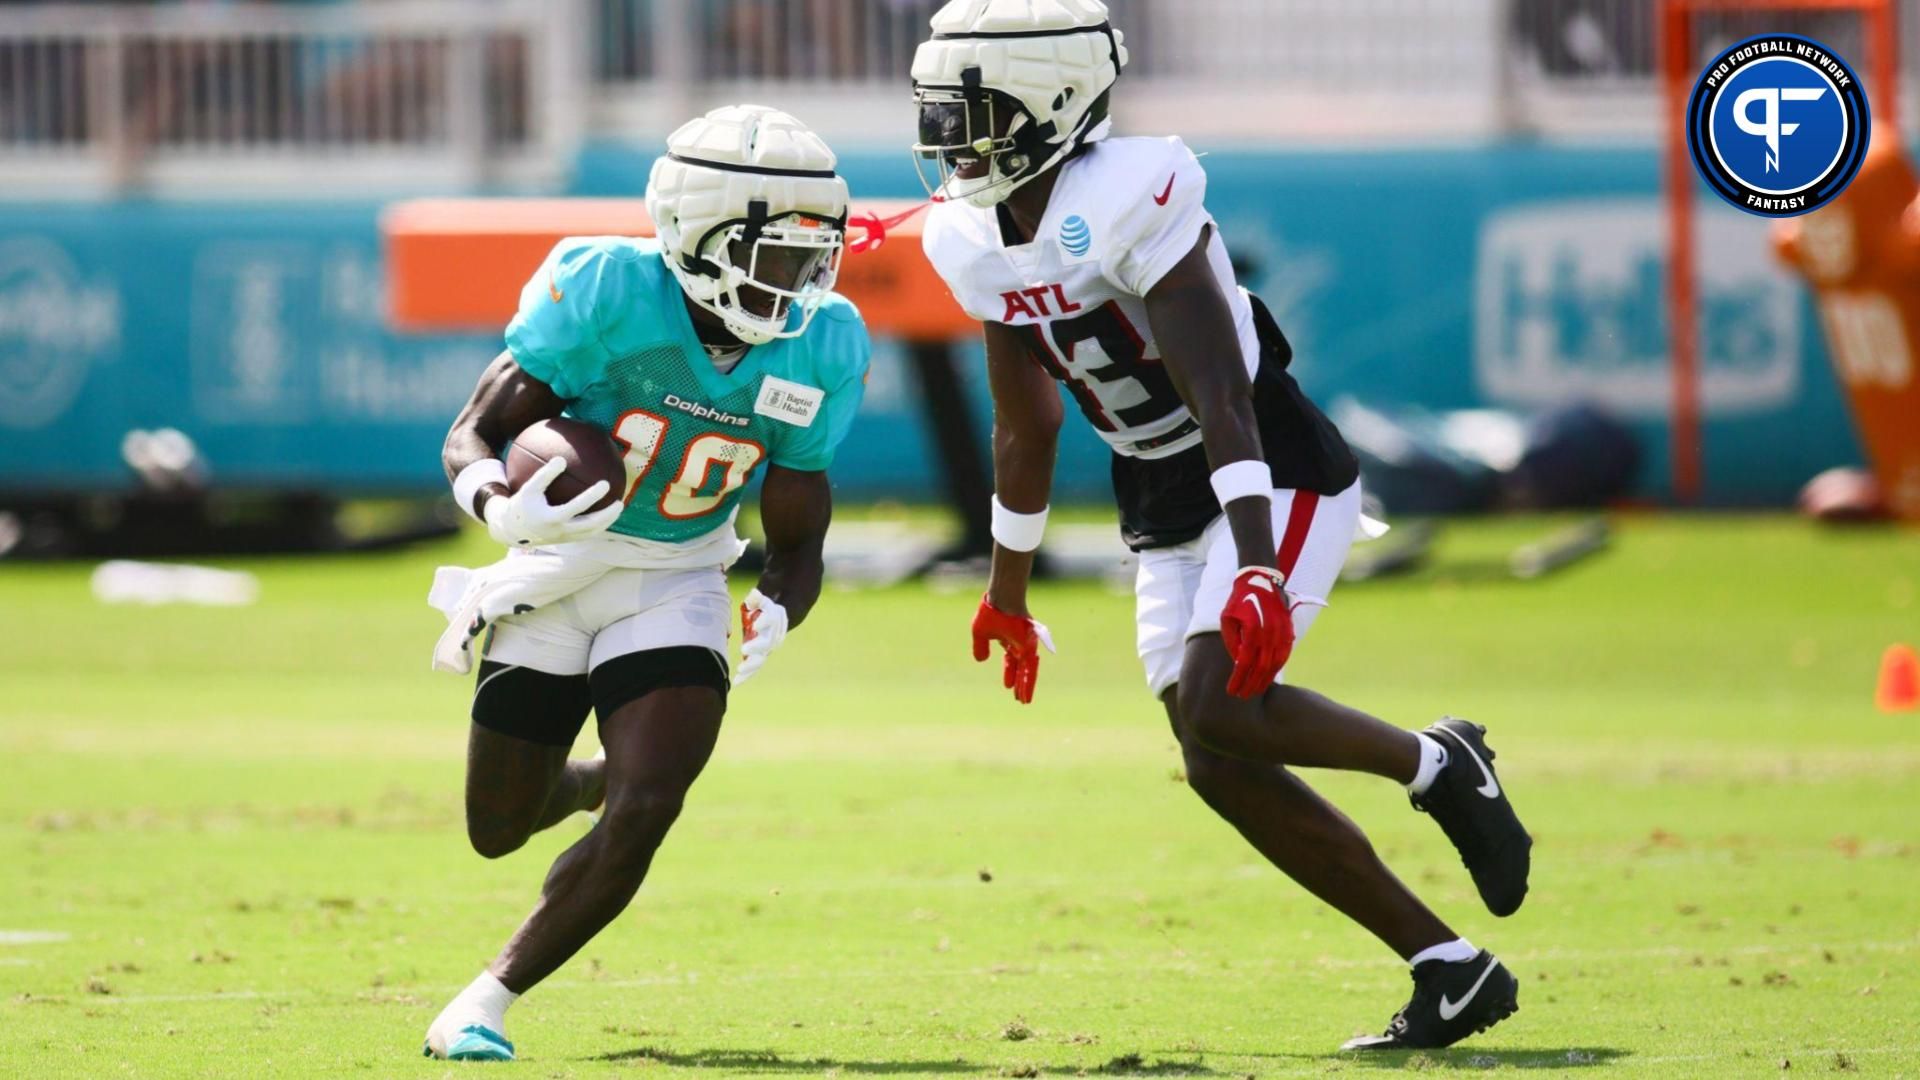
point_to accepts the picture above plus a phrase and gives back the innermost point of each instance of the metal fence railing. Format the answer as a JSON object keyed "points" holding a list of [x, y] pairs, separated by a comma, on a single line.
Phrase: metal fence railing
{"points": [[831, 41], [1581, 67], [452, 94], [407, 93], [1253, 68], [1237, 68]]}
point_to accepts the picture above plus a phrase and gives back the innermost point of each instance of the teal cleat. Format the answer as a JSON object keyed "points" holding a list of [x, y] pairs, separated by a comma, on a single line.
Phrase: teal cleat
{"points": [[474, 1043]]}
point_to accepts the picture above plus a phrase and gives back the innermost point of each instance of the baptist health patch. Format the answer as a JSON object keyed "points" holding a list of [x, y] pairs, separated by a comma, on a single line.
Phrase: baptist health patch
{"points": [[789, 402]]}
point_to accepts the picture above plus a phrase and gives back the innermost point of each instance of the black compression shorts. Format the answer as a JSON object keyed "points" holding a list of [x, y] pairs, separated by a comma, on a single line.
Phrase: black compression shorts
{"points": [[551, 709]]}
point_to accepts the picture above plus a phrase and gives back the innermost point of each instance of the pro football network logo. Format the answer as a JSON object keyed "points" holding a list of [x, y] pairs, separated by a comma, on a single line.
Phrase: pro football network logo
{"points": [[1777, 125]]}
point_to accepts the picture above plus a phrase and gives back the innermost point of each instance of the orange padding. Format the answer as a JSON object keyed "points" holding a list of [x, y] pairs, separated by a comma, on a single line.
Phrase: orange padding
{"points": [[457, 265], [1861, 255]]}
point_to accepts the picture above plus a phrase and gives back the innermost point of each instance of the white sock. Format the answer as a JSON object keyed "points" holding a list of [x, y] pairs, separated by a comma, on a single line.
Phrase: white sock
{"points": [[1456, 951], [485, 1002], [1433, 758]]}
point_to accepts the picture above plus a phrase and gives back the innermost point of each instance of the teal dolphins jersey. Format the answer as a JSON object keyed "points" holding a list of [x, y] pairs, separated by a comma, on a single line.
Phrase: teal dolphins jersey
{"points": [[603, 323]]}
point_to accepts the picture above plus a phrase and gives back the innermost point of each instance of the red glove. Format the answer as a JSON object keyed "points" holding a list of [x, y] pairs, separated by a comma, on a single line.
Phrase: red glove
{"points": [[1020, 636], [1257, 628]]}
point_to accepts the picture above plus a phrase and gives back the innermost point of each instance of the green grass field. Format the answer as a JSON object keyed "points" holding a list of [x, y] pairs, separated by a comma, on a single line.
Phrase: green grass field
{"points": [[232, 838]]}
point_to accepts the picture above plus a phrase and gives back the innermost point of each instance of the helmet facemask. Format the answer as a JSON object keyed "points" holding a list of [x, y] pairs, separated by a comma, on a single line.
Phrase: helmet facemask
{"points": [[982, 144], [1055, 65], [753, 272]]}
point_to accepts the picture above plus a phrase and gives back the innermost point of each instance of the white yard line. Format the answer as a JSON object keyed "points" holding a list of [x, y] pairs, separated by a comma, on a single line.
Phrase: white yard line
{"points": [[33, 937]]}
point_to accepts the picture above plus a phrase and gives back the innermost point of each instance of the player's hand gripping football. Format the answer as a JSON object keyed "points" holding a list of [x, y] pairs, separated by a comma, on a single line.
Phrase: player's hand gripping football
{"points": [[1257, 628], [526, 519], [763, 626], [1020, 637]]}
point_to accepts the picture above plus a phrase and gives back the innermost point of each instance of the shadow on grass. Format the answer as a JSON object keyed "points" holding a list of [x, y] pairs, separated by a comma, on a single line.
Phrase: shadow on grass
{"points": [[1578, 1057], [1463, 1057], [766, 1061]]}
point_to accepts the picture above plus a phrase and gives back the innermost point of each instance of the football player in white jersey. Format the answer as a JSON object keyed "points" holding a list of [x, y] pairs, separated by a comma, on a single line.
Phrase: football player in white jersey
{"points": [[1093, 261]]}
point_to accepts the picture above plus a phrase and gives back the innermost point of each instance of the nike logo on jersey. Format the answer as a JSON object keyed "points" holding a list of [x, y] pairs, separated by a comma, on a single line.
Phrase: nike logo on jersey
{"points": [[1032, 303], [1161, 199], [1490, 789], [1451, 1009], [554, 291]]}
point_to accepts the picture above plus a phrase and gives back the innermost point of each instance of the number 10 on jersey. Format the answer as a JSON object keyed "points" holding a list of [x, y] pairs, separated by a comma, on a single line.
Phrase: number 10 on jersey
{"points": [[641, 435]]}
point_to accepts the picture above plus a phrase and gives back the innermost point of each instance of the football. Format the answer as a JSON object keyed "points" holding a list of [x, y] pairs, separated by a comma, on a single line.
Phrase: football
{"points": [[590, 454]]}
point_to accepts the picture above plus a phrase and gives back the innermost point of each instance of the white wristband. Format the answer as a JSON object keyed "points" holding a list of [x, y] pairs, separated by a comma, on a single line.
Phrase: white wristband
{"points": [[1242, 480], [1017, 532], [488, 470]]}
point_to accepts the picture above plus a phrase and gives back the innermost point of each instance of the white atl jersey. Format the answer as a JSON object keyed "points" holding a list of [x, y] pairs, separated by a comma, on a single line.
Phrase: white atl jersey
{"points": [[1121, 215]]}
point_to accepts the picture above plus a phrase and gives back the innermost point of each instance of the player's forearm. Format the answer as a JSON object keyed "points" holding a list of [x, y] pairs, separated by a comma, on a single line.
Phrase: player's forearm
{"points": [[1231, 434], [1252, 523], [1194, 322], [465, 446], [1023, 482], [505, 402], [1007, 587], [1208, 374], [796, 508], [792, 578]]}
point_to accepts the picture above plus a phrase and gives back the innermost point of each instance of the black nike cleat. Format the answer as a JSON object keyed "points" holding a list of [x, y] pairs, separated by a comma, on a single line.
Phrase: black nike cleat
{"points": [[1472, 809], [1450, 1002]]}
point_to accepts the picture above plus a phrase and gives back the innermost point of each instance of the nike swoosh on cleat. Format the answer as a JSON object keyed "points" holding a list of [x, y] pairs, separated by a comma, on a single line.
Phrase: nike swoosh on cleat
{"points": [[1491, 789], [1449, 1009]]}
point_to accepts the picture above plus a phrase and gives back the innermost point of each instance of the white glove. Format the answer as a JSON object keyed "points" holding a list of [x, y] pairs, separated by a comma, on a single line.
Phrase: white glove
{"points": [[763, 626], [526, 519]]}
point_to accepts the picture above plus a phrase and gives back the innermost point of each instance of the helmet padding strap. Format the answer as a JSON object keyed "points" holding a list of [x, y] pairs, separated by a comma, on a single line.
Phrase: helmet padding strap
{"points": [[756, 170]]}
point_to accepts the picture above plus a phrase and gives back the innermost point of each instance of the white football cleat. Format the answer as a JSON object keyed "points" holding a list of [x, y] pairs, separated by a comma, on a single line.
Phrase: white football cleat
{"points": [[465, 1042]]}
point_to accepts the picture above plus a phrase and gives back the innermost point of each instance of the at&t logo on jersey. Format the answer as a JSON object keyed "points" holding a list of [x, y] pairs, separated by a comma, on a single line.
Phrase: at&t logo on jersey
{"points": [[1778, 125], [1076, 236]]}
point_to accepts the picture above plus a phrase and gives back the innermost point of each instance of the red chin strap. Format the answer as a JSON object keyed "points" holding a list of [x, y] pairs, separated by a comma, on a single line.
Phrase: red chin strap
{"points": [[875, 227]]}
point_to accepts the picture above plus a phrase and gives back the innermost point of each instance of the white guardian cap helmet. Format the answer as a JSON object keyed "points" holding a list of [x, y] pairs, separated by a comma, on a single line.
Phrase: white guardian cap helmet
{"points": [[751, 217], [1007, 89]]}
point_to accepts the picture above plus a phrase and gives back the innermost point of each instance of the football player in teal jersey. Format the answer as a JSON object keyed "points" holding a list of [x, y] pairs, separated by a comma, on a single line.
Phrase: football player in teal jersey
{"points": [[707, 354]]}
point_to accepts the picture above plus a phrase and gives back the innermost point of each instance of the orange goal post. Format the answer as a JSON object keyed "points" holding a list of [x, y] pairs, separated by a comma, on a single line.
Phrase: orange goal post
{"points": [[1679, 65]]}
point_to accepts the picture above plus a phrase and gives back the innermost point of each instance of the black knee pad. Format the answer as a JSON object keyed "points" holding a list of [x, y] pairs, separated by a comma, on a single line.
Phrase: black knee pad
{"points": [[533, 705], [635, 675]]}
